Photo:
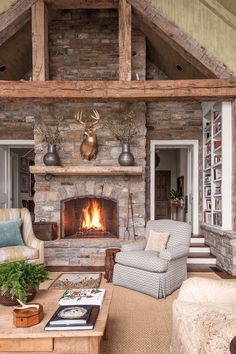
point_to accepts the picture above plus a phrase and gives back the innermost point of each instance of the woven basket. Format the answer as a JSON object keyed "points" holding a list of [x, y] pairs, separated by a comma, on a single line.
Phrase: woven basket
{"points": [[7, 299]]}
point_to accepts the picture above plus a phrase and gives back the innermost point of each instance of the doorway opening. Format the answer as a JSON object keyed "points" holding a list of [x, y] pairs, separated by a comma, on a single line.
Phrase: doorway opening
{"points": [[17, 184], [174, 181]]}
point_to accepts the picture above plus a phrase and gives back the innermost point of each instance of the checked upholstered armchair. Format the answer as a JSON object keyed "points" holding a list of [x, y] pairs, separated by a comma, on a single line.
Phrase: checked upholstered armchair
{"points": [[155, 273]]}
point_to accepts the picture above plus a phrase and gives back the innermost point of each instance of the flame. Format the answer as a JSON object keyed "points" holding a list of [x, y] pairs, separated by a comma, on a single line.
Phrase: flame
{"points": [[92, 216]]}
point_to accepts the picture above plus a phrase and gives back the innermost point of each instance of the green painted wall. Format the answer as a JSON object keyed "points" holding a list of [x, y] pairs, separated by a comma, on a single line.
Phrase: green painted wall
{"points": [[210, 23]]}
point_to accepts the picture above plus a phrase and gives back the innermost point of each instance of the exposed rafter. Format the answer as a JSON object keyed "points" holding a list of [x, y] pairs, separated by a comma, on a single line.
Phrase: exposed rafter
{"points": [[82, 4], [102, 91], [14, 18], [179, 40], [40, 41], [125, 40]]}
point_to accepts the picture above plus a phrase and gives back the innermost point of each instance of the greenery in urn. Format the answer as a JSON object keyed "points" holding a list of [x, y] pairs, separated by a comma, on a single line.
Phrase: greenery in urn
{"points": [[18, 277], [125, 130], [175, 195], [50, 134]]}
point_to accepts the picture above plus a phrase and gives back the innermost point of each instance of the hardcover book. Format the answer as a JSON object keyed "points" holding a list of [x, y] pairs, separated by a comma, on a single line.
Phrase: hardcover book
{"points": [[71, 327], [82, 297], [71, 315]]}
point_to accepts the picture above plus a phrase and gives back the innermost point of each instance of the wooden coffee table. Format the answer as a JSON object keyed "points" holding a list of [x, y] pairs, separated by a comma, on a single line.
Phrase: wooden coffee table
{"points": [[37, 341]]}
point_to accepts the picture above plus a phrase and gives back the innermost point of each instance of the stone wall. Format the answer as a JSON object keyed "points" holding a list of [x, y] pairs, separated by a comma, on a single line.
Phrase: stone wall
{"points": [[49, 193], [172, 121], [83, 45], [223, 246]]}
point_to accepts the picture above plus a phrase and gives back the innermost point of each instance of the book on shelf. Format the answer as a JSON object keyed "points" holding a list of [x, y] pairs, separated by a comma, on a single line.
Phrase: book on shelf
{"points": [[217, 144], [217, 173], [82, 297], [207, 217], [217, 218], [71, 311]]}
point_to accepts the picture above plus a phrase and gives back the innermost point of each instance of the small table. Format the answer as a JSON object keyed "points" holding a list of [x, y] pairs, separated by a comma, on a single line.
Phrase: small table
{"points": [[45, 231], [110, 262], [35, 340]]}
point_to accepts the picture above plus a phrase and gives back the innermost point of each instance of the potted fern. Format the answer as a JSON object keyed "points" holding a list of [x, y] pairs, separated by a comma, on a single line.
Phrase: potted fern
{"points": [[20, 280]]}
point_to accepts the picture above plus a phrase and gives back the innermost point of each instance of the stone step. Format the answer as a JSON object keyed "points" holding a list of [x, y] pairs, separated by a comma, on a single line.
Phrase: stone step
{"points": [[201, 258], [199, 249], [197, 240]]}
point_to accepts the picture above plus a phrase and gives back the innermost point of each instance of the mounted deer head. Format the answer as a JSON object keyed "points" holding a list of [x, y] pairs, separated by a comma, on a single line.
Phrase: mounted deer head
{"points": [[88, 147]]}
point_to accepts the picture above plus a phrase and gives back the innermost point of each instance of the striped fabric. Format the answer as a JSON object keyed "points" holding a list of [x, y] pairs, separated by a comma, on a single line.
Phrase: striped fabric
{"points": [[152, 273], [33, 249]]}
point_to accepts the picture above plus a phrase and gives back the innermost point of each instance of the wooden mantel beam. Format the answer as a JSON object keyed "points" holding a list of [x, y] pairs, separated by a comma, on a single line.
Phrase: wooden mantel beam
{"points": [[102, 91], [40, 41], [124, 40]]}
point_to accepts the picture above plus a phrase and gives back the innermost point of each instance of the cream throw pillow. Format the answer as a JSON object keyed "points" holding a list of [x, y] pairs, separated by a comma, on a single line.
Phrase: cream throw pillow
{"points": [[157, 241]]}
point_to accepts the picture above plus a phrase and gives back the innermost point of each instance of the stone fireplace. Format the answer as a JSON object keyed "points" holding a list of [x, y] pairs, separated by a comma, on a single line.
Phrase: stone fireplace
{"points": [[89, 216]]}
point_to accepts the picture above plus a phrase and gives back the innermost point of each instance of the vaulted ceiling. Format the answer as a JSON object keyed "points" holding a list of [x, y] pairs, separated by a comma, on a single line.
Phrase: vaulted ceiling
{"points": [[175, 62]]}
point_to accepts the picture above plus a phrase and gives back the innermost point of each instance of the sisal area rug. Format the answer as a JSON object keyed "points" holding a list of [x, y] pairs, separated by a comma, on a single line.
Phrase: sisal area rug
{"points": [[77, 281], [140, 324]]}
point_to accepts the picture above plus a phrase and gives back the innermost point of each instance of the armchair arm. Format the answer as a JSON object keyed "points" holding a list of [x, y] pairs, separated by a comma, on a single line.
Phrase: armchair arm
{"points": [[174, 252], [135, 246], [204, 290]]}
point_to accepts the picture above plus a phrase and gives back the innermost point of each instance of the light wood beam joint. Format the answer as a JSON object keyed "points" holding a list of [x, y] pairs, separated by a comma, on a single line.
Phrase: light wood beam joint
{"points": [[40, 41], [125, 39]]}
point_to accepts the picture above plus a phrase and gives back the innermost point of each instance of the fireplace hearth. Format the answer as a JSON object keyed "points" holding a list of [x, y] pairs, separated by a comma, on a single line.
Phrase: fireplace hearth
{"points": [[89, 217]]}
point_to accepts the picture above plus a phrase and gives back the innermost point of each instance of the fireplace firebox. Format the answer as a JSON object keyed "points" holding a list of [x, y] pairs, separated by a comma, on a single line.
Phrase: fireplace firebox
{"points": [[89, 216]]}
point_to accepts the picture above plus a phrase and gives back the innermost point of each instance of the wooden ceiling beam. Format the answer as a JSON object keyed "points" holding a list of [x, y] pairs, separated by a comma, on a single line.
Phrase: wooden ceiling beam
{"points": [[182, 42], [125, 39], [40, 41], [102, 91], [82, 4], [14, 18]]}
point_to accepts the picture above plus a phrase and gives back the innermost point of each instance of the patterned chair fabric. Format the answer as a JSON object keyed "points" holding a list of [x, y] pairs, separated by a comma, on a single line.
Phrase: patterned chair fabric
{"points": [[204, 317], [33, 250], [153, 273]]}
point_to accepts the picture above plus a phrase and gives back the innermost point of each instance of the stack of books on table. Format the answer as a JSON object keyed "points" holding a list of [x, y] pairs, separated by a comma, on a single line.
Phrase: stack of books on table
{"points": [[78, 310]]}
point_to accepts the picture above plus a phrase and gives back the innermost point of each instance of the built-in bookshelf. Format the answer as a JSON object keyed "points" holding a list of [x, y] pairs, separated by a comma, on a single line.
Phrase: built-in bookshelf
{"points": [[217, 165]]}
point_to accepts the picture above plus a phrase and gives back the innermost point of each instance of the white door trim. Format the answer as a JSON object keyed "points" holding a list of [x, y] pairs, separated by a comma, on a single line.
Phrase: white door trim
{"points": [[179, 144], [13, 144]]}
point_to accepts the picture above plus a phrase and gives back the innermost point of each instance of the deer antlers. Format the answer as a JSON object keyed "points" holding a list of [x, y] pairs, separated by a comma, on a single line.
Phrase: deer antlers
{"points": [[96, 116]]}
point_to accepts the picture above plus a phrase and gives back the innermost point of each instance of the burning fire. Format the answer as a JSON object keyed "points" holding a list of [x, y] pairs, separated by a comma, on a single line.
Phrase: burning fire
{"points": [[92, 216]]}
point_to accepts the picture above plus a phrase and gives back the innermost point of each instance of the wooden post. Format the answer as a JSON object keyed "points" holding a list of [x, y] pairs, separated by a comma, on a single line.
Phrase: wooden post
{"points": [[124, 40], [40, 41]]}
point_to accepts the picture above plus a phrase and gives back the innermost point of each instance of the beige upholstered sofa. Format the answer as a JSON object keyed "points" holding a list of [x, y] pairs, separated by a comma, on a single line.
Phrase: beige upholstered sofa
{"points": [[33, 249], [204, 317]]}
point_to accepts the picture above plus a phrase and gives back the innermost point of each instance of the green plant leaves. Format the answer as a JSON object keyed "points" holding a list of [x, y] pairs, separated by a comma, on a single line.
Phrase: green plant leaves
{"points": [[19, 276]]}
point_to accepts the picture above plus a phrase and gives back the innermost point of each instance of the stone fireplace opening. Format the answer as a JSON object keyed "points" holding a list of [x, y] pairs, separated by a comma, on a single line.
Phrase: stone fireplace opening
{"points": [[88, 217]]}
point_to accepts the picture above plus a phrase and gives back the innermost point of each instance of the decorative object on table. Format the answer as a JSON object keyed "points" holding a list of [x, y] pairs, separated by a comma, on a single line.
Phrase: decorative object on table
{"points": [[110, 262], [90, 323], [82, 297], [89, 145], [20, 280], [27, 315], [175, 196], [124, 131], [52, 135], [77, 281], [177, 203]]}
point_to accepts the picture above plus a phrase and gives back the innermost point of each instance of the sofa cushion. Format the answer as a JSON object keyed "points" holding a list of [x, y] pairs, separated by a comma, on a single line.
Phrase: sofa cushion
{"points": [[146, 260], [157, 241], [202, 328], [10, 234], [18, 253]]}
